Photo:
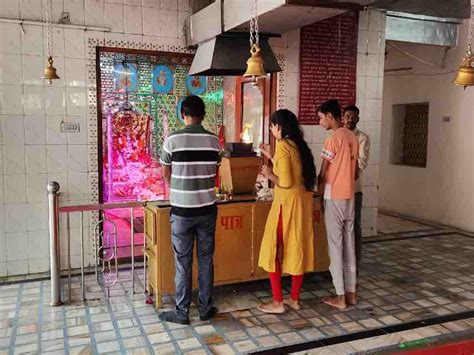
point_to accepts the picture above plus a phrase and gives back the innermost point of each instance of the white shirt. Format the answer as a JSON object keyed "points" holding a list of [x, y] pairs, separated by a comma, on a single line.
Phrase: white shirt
{"points": [[364, 149]]}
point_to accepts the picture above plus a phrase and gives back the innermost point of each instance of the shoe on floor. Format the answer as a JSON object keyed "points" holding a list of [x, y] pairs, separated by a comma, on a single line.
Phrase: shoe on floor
{"points": [[171, 317], [211, 314]]}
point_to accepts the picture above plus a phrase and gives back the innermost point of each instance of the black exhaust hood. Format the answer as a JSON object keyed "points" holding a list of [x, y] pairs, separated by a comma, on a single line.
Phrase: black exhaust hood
{"points": [[227, 54]]}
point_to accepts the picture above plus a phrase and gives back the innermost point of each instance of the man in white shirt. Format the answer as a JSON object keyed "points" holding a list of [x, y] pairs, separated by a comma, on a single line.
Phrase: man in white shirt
{"points": [[350, 120]]}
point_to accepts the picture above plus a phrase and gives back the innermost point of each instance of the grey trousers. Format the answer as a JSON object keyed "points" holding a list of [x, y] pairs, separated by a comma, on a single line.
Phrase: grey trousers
{"points": [[358, 227], [184, 231], [339, 219]]}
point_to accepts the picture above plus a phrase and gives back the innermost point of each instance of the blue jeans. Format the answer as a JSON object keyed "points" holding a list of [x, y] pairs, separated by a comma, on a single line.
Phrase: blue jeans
{"points": [[184, 230]]}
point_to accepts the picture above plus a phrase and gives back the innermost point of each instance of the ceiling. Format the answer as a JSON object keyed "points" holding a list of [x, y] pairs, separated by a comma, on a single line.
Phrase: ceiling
{"points": [[437, 8]]}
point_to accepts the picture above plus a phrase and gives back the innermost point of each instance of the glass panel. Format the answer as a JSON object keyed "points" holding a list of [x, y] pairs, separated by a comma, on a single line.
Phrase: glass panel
{"points": [[140, 99], [252, 114]]}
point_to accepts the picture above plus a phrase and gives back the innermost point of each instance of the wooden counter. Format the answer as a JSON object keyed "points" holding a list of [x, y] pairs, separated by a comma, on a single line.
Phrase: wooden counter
{"points": [[239, 231]]}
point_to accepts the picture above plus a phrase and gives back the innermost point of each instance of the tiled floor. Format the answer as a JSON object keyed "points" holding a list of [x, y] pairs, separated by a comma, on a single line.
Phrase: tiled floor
{"points": [[404, 278]]}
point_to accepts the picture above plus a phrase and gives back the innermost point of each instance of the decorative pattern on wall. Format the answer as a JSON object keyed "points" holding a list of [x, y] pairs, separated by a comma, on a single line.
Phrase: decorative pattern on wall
{"points": [[328, 58], [281, 58], [140, 103]]}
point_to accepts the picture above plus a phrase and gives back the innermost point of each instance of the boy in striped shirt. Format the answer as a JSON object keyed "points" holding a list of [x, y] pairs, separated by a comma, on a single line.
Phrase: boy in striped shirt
{"points": [[189, 162]]}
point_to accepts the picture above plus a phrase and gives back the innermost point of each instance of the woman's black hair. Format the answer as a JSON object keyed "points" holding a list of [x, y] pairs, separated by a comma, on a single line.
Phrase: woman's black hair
{"points": [[332, 107], [290, 128]]}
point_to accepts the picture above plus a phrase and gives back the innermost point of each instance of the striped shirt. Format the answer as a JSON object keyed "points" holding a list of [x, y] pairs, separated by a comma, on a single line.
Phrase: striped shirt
{"points": [[193, 154]]}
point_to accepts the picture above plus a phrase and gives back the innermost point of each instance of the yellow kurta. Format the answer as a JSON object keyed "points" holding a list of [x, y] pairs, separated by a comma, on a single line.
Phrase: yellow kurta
{"points": [[297, 214]]}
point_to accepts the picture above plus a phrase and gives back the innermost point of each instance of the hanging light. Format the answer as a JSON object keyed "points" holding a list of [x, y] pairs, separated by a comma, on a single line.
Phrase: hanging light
{"points": [[465, 74], [255, 67], [50, 71]]}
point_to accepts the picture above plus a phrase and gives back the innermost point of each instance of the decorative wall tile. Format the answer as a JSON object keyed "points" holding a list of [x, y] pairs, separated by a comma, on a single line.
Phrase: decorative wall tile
{"points": [[32, 40], [134, 41], [81, 136], [10, 40], [169, 23], [2, 198], [36, 161], [38, 265], [17, 267], [15, 188], [151, 21], [77, 158], [374, 19], [33, 68], [78, 186], [56, 156], [361, 64], [37, 216], [363, 42], [293, 60], [371, 87], [363, 20], [31, 10], [152, 3], [74, 43], [13, 130], [76, 11], [3, 269], [36, 187], [15, 220], [182, 16], [3, 245], [133, 20], [375, 42], [373, 64], [33, 100], [184, 5], [53, 130], [114, 18], [169, 4], [75, 72], [12, 103], [11, 71], [35, 130], [58, 43], [10, 9], [94, 13], [293, 38], [75, 102], [14, 159], [58, 8]]}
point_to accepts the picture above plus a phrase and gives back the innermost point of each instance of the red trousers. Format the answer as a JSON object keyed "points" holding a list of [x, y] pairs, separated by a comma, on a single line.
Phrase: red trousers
{"points": [[275, 277]]}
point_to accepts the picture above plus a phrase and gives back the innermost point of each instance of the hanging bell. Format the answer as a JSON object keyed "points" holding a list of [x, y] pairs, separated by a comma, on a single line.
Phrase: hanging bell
{"points": [[255, 64], [50, 71], [465, 74]]}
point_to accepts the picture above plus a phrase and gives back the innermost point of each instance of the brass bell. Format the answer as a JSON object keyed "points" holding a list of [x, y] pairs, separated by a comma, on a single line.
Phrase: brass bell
{"points": [[465, 75], [255, 64], [50, 71]]}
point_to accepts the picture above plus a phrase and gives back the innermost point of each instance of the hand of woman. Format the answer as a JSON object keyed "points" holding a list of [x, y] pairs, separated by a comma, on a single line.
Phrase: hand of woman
{"points": [[266, 150], [266, 171]]}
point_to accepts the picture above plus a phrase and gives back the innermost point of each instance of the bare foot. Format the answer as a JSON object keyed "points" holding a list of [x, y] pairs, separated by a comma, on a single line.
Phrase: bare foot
{"points": [[294, 305], [338, 302], [351, 298], [272, 308]]}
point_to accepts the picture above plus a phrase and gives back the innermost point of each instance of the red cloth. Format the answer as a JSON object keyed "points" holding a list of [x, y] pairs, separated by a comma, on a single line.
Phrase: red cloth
{"points": [[275, 277]]}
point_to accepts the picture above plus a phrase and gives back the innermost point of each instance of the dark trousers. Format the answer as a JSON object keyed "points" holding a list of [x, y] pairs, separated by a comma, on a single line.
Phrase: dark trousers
{"points": [[358, 227], [184, 230]]}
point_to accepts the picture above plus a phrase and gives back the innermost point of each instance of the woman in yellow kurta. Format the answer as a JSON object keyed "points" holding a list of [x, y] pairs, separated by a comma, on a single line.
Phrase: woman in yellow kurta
{"points": [[287, 244]]}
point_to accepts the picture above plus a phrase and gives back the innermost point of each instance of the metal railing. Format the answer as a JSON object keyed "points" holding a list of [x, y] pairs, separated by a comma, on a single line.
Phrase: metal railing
{"points": [[105, 249]]}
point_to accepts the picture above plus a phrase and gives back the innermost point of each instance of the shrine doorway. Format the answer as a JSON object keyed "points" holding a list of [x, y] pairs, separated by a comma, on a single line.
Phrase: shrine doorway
{"points": [[139, 97]]}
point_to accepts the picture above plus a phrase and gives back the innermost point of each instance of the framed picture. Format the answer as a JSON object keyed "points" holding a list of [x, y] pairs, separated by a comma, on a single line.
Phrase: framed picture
{"points": [[162, 79], [196, 84], [126, 77]]}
